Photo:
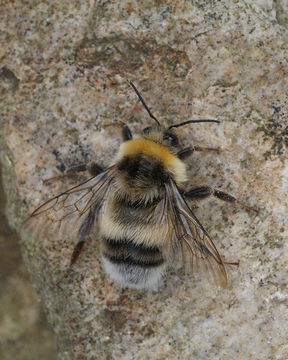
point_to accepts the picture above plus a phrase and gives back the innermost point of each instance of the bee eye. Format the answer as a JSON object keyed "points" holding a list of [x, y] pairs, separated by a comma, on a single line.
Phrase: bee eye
{"points": [[147, 130], [170, 138]]}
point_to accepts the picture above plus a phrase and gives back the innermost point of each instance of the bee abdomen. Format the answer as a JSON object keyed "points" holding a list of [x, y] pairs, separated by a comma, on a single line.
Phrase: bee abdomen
{"points": [[133, 265], [132, 261], [127, 252]]}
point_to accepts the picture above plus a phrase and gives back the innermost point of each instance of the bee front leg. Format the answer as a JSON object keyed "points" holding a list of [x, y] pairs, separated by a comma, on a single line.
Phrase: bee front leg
{"points": [[126, 133], [206, 191]]}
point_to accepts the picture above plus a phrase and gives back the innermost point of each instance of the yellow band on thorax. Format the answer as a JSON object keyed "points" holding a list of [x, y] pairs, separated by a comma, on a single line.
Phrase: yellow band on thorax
{"points": [[157, 151]]}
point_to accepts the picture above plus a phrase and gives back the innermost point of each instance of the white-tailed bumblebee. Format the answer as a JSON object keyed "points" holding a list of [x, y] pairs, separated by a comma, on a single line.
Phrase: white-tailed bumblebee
{"points": [[138, 208]]}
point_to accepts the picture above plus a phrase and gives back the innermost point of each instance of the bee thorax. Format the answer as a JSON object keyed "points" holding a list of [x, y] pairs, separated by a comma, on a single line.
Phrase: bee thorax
{"points": [[145, 163], [139, 172]]}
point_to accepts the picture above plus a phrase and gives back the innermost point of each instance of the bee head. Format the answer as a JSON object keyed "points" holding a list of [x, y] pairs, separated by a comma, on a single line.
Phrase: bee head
{"points": [[161, 135]]}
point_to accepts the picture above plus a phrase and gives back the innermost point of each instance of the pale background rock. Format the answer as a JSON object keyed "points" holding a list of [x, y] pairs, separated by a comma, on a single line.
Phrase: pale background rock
{"points": [[63, 75]]}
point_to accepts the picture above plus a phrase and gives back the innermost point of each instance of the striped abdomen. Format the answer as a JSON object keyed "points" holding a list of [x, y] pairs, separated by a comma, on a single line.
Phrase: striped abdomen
{"points": [[132, 243], [128, 252]]}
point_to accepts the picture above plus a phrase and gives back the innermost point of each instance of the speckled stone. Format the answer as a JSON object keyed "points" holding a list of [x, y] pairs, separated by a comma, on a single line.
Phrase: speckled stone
{"points": [[64, 67], [24, 334]]}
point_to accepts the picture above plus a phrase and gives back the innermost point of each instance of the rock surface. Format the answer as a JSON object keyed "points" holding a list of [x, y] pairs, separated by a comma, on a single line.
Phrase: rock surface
{"points": [[24, 334], [63, 75]]}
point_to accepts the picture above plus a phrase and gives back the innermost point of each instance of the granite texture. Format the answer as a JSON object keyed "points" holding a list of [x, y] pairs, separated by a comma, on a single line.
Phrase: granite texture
{"points": [[63, 75], [24, 332]]}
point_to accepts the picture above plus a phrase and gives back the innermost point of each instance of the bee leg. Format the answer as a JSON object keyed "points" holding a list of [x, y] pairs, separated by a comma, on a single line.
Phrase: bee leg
{"points": [[126, 133], [74, 257], [206, 191], [184, 153], [73, 171], [231, 199], [198, 193], [76, 252], [84, 232], [93, 168]]}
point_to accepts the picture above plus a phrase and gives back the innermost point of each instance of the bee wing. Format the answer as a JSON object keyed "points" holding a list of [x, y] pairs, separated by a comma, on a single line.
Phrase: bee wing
{"points": [[64, 213], [190, 239]]}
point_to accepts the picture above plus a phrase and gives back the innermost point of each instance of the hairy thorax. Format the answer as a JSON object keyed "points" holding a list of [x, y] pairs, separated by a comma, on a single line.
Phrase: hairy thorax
{"points": [[144, 166]]}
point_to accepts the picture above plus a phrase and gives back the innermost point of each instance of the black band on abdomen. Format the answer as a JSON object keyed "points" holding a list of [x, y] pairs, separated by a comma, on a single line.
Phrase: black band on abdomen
{"points": [[125, 251], [130, 260]]}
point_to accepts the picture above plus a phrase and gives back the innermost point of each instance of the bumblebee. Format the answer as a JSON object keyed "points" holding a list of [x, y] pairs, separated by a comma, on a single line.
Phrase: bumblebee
{"points": [[138, 208]]}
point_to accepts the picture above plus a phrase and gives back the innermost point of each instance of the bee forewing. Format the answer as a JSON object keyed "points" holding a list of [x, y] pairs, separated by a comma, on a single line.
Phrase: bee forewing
{"points": [[64, 213], [191, 240]]}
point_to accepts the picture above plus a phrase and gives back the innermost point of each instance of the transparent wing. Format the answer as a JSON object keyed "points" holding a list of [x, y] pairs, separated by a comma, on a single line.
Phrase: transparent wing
{"points": [[66, 212], [188, 237]]}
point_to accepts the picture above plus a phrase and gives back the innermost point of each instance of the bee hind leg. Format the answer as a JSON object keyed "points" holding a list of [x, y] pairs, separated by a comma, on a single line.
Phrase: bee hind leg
{"points": [[126, 133], [203, 192]]}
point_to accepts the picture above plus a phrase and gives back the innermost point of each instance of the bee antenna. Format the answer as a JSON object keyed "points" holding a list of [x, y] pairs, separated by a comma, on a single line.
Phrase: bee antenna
{"points": [[193, 122], [143, 102]]}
